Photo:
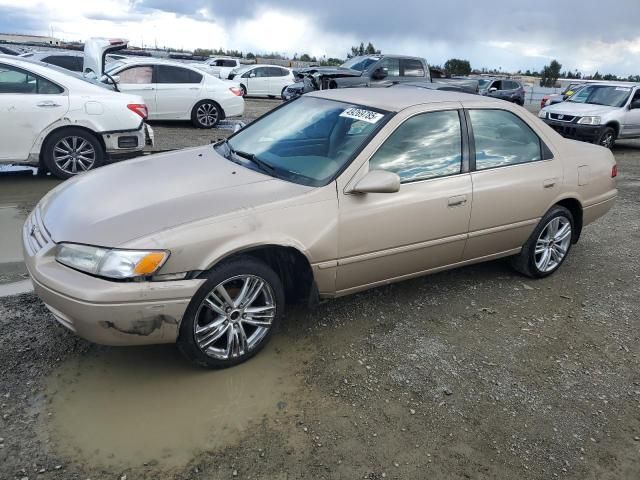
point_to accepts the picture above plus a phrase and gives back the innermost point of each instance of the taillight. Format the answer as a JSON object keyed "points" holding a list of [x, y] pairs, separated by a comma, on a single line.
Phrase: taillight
{"points": [[236, 91], [614, 171], [140, 109]]}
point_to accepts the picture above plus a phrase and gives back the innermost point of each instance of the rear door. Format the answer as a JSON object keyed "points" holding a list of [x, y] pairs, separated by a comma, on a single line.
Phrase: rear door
{"points": [[29, 103], [177, 90], [515, 180], [278, 79], [138, 80]]}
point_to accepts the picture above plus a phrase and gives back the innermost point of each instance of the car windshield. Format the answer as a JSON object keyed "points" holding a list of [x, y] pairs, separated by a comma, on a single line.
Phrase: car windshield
{"points": [[609, 95], [241, 70], [307, 141], [483, 83], [360, 63]]}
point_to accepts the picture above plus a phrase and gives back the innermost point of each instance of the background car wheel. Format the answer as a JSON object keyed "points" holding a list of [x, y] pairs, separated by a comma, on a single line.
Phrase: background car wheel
{"points": [[548, 245], [282, 93], [71, 151], [244, 90], [206, 114], [607, 138], [233, 315]]}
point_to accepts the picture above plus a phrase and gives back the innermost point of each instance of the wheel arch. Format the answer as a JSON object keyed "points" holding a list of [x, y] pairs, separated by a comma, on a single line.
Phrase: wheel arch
{"points": [[289, 263], [615, 125], [575, 207], [45, 138], [223, 115]]}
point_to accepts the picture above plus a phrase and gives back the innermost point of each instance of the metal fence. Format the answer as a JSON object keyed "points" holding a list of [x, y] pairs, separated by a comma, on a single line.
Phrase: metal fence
{"points": [[534, 94]]}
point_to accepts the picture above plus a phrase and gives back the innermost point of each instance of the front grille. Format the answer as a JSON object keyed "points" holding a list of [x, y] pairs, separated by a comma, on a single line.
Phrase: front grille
{"points": [[561, 118], [36, 233], [565, 131]]}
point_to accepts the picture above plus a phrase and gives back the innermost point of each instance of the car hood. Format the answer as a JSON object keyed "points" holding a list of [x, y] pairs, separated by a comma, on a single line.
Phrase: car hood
{"points": [[579, 109], [132, 199]]}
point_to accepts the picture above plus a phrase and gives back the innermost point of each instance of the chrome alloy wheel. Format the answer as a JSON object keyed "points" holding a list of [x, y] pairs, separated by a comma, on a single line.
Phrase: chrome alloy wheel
{"points": [[74, 155], [234, 317], [553, 244], [607, 140], [207, 114]]}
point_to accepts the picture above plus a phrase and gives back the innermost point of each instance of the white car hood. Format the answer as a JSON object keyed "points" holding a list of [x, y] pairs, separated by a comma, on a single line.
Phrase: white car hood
{"points": [[579, 109]]}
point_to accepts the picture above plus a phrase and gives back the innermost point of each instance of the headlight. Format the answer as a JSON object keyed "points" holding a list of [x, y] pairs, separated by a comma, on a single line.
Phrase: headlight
{"points": [[589, 121], [104, 262], [542, 114]]}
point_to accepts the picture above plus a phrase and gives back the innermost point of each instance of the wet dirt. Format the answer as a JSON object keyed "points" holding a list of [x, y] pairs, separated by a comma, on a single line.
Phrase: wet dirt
{"points": [[127, 407]]}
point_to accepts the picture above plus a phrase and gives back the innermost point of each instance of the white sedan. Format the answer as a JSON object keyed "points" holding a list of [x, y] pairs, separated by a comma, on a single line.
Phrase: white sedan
{"points": [[54, 120], [177, 91], [262, 80]]}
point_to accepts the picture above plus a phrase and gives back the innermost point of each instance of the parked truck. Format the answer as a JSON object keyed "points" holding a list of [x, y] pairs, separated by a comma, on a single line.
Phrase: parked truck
{"points": [[374, 71]]}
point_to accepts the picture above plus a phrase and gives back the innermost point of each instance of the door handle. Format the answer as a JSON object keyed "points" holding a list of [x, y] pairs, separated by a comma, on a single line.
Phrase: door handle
{"points": [[146, 88], [48, 104], [549, 182], [457, 200], [194, 88]]}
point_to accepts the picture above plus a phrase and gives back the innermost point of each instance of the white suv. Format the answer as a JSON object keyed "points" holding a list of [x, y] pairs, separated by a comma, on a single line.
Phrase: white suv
{"points": [[62, 123], [599, 113]]}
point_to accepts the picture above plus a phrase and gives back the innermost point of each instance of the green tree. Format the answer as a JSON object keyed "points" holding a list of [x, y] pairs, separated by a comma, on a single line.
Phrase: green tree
{"points": [[455, 66], [359, 50], [250, 56], [596, 76], [550, 74]]}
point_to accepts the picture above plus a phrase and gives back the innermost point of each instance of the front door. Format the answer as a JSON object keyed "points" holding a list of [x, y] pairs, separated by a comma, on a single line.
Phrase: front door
{"points": [[28, 105], [423, 226], [631, 127], [514, 183], [258, 81], [138, 80]]}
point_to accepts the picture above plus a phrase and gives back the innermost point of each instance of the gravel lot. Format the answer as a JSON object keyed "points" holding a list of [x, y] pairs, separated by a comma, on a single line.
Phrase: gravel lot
{"points": [[472, 373]]}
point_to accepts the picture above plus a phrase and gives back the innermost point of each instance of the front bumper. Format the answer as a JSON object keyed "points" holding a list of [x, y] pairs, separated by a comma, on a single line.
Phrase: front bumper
{"points": [[575, 131], [102, 311]]}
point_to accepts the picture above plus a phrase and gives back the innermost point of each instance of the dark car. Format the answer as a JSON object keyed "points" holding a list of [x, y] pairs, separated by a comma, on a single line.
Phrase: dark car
{"points": [[503, 88]]}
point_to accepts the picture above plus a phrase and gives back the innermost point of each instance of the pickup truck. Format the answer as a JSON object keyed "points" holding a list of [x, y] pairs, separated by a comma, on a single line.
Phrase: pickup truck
{"points": [[373, 71]]}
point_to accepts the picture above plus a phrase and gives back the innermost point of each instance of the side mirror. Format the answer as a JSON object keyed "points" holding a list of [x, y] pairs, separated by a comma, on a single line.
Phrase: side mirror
{"points": [[378, 181], [635, 104], [493, 89], [380, 73], [252, 74]]}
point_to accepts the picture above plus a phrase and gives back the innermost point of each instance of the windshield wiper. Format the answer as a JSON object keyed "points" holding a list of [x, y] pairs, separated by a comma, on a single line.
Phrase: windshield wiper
{"points": [[264, 166]]}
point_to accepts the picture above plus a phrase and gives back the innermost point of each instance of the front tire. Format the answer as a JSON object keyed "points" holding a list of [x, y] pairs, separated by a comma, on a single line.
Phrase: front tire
{"points": [[607, 138], [206, 114], [71, 151], [233, 315], [548, 246]]}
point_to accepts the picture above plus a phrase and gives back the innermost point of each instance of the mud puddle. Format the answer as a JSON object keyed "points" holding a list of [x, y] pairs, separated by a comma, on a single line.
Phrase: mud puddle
{"points": [[124, 407]]}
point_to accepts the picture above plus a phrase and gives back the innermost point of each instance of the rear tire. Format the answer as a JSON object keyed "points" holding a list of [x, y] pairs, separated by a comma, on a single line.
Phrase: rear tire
{"points": [[206, 114], [219, 332], [244, 90], [548, 246], [607, 138], [71, 151]]}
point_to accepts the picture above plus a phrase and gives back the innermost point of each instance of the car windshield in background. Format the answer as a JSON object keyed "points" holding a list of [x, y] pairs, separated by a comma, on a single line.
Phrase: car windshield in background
{"points": [[360, 63], [242, 69], [111, 66], [608, 95], [483, 83], [306, 141]]}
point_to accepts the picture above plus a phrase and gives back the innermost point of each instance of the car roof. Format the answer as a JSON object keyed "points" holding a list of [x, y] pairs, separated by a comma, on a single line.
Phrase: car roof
{"points": [[396, 99], [50, 53]]}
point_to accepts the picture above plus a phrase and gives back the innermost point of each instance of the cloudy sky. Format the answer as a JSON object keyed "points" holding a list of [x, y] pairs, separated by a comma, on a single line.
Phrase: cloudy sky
{"points": [[588, 35]]}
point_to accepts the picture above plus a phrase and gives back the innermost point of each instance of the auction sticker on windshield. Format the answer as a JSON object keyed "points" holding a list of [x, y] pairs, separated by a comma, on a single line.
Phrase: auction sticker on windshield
{"points": [[362, 114]]}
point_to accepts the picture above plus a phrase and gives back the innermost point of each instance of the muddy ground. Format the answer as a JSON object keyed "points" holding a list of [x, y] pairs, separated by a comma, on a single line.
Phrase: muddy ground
{"points": [[472, 373]]}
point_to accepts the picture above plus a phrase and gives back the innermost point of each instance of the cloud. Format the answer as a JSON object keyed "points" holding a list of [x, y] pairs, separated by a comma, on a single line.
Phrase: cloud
{"points": [[522, 35]]}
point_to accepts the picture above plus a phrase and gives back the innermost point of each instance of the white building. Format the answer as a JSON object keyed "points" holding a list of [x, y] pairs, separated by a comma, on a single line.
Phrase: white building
{"points": [[19, 38]]}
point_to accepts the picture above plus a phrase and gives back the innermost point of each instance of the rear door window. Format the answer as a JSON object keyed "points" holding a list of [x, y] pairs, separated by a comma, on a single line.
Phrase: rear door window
{"points": [[501, 138], [16, 80], [172, 74], [411, 67]]}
